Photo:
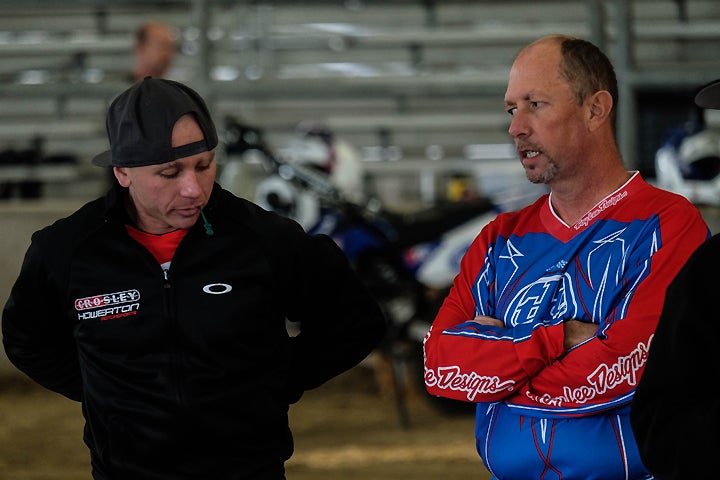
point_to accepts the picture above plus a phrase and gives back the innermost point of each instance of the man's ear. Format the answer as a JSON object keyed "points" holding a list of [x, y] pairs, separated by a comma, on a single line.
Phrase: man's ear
{"points": [[122, 176], [600, 105]]}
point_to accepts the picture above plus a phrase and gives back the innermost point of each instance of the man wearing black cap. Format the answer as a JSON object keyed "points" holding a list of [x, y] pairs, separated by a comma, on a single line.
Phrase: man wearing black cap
{"points": [[162, 307], [675, 412]]}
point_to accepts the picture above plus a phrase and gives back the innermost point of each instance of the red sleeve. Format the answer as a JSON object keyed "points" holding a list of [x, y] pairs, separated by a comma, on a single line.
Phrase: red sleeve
{"points": [[472, 362]]}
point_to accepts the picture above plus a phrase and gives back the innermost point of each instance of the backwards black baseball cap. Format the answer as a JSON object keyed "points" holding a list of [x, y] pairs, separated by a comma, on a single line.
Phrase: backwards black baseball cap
{"points": [[709, 96], [140, 122]]}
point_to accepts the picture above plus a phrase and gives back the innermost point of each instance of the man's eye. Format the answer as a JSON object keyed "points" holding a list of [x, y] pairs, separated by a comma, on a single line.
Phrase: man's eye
{"points": [[511, 110], [169, 174]]}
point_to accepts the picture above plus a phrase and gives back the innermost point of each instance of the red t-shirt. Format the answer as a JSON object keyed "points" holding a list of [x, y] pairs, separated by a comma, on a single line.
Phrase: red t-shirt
{"points": [[161, 246]]}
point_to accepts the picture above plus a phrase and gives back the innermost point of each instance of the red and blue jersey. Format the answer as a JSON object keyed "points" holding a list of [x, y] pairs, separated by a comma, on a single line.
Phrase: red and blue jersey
{"points": [[532, 271]]}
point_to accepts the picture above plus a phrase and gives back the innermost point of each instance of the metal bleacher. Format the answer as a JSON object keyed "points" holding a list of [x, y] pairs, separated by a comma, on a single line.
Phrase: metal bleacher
{"points": [[423, 80]]}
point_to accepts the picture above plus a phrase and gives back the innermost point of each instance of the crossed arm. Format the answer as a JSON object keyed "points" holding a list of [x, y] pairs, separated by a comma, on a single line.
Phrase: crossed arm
{"points": [[576, 331]]}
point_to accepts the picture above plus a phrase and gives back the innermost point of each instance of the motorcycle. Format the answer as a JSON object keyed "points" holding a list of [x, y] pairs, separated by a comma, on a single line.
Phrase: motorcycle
{"points": [[407, 261]]}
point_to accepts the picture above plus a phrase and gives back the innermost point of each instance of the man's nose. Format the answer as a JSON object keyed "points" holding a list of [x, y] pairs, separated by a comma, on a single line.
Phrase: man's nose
{"points": [[190, 185], [518, 125]]}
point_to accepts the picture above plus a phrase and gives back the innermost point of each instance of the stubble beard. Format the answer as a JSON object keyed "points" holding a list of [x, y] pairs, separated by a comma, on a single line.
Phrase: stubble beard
{"points": [[545, 175]]}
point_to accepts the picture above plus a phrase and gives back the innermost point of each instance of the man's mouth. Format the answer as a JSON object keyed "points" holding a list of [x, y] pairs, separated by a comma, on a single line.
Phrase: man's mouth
{"points": [[189, 211]]}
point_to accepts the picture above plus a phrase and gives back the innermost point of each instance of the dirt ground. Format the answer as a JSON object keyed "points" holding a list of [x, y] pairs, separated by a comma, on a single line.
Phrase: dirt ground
{"points": [[347, 429]]}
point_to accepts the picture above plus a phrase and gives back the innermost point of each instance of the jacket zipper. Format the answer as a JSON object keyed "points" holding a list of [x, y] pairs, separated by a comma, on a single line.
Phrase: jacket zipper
{"points": [[175, 353]]}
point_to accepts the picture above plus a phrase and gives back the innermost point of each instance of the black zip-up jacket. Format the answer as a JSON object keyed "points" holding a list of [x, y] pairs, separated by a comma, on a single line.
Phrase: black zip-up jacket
{"points": [[189, 376]]}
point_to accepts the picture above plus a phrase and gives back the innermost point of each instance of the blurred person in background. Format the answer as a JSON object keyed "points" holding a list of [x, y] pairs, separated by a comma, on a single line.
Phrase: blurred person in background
{"points": [[547, 324], [154, 50], [675, 425], [162, 307]]}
